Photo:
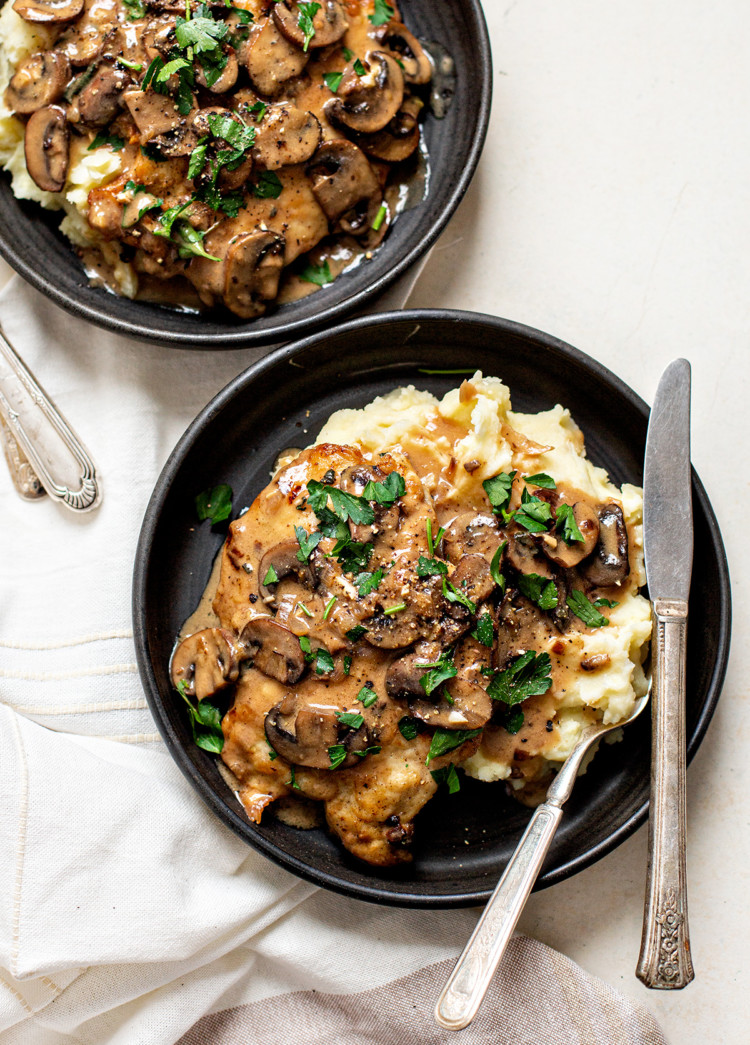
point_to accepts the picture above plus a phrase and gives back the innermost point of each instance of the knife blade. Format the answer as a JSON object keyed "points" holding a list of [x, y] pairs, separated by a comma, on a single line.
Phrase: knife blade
{"points": [[665, 961]]}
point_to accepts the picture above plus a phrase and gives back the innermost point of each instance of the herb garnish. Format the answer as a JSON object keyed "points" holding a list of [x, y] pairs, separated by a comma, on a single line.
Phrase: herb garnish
{"points": [[355, 633], [539, 590], [382, 13], [307, 12], [430, 567], [447, 775], [135, 8], [271, 576], [484, 631], [293, 779], [205, 721], [452, 594], [350, 719], [367, 696], [102, 138], [407, 728], [527, 675], [497, 576], [337, 755], [214, 504], [268, 186], [308, 542], [439, 672], [606, 602], [567, 525], [445, 740], [347, 663], [546, 482], [359, 67], [368, 582], [432, 545], [387, 492], [318, 274], [322, 658], [585, 610], [499, 489], [333, 81], [394, 609], [534, 513], [379, 217], [511, 719]]}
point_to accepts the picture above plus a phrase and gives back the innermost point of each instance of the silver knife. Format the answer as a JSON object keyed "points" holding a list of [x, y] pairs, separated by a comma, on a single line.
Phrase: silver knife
{"points": [[665, 962]]}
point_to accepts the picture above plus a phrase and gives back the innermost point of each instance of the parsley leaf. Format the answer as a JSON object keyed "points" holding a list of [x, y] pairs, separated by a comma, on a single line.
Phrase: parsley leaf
{"points": [[447, 775], [205, 721], [135, 8], [387, 492], [430, 567], [349, 506], [534, 514], [432, 545], [566, 523], [318, 274], [355, 633], [368, 582], [606, 602], [352, 555], [337, 755], [498, 489], [511, 719], [202, 34], [374, 750], [445, 740], [271, 576], [538, 590], [308, 542], [350, 719], [546, 482], [527, 675], [333, 81], [484, 631], [214, 504], [585, 610], [307, 12], [367, 696], [382, 13], [268, 186], [452, 594], [497, 576], [115, 142], [347, 663], [407, 728], [438, 673], [293, 779]]}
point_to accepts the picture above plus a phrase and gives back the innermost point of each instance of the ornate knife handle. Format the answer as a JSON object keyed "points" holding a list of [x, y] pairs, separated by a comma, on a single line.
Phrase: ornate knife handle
{"points": [[665, 962], [54, 451]]}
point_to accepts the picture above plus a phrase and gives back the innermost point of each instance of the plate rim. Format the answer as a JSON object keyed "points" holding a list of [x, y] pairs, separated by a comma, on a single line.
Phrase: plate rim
{"points": [[377, 893], [239, 338]]}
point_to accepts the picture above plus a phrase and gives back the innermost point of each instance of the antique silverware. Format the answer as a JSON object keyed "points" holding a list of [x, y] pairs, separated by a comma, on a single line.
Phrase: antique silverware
{"points": [[42, 445], [665, 962], [467, 984]]}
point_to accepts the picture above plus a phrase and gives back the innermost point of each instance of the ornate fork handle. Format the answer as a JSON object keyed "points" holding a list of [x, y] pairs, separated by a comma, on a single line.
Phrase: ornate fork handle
{"points": [[54, 451]]}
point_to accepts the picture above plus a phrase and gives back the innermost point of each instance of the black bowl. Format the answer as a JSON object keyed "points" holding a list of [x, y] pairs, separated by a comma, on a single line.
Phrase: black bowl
{"points": [[236, 439], [31, 242]]}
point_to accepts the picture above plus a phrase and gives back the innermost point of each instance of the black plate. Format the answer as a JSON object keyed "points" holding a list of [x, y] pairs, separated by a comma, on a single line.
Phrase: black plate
{"points": [[31, 243], [236, 439]]}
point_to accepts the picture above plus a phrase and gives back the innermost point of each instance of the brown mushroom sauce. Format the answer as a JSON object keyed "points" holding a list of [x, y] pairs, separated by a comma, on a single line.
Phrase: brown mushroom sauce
{"points": [[263, 150], [298, 642]]}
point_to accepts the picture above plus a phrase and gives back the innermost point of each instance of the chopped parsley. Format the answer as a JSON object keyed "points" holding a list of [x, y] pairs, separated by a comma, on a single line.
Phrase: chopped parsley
{"points": [[432, 544], [359, 67], [318, 274], [430, 567], [407, 728], [452, 594], [307, 12], [527, 675], [444, 740], [308, 542], [347, 663], [368, 582], [293, 779], [387, 492], [336, 755], [394, 609], [606, 602], [350, 719], [355, 633], [484, 631], [367, 696], [539, 590], [437, 673], [382, 13], [268, 186], [271, 576], [214, 504], [273, 755], [447, 775], [497, 576], [205, 721], [511, 719], [102, 138], [567, 525], [499, 489], [333, 81], [135, 8], [585, 610], [534, 513], [541, 479], [374, 750], [320, 656]]}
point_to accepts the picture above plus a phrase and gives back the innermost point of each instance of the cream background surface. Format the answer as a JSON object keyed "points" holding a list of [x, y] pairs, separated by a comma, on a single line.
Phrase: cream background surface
{"points": [[611, 209]]}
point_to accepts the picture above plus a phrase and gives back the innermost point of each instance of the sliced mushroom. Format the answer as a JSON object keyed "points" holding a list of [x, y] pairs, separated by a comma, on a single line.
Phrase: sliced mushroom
{"points": [[403, 677], [367, 103], [228, 76], [567, 555], [270, 59], [254, 263], [282, 559], [609, 563], [394, 630], [206, 662], [39, 80], [398, 139], [524, 554], [354, 480], [274, 650], [475, 533], [345, 185], [472, 577], [329, 23], [415, 63], [48, 11], [101, 99], [302, 731], [47, 147], [154, 114], [84, 41], [466, 707], [286, 135]]}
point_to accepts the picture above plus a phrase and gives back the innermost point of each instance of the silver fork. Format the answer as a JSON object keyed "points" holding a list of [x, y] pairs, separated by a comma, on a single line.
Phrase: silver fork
{"points": [[467, 984]]}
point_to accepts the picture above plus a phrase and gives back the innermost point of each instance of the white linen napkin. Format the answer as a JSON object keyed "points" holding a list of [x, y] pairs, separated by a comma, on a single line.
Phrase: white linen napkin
{"points": [[128, 912]]}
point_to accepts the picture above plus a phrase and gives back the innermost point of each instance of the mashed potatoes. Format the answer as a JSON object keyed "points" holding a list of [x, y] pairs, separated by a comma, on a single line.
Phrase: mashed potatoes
{"points": [[431, 432]]}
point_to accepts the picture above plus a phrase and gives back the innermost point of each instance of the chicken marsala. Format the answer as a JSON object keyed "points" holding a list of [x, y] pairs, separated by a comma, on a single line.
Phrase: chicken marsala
{"points": [[387, 613], [238, 139]]}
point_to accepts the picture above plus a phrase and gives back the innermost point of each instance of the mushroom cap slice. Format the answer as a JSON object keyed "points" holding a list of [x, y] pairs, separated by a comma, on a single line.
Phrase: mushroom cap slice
{"points": [[415, 62], [302, 731], [154, 114], [398, 139], [473, 578], [471, 708], [254, 262], [343, 182], [270, 59], [48, 11], [609, 563], [206, 662], [283, 559], [228, 77], [367, 103], [329, 23], [403, 677], [47, 147], [39, 80], [474, 533], [286, 135], [353, 480], [274, 650], [524, 554], [567, 555], [393, 631], [85, 40], [101, 99]]}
